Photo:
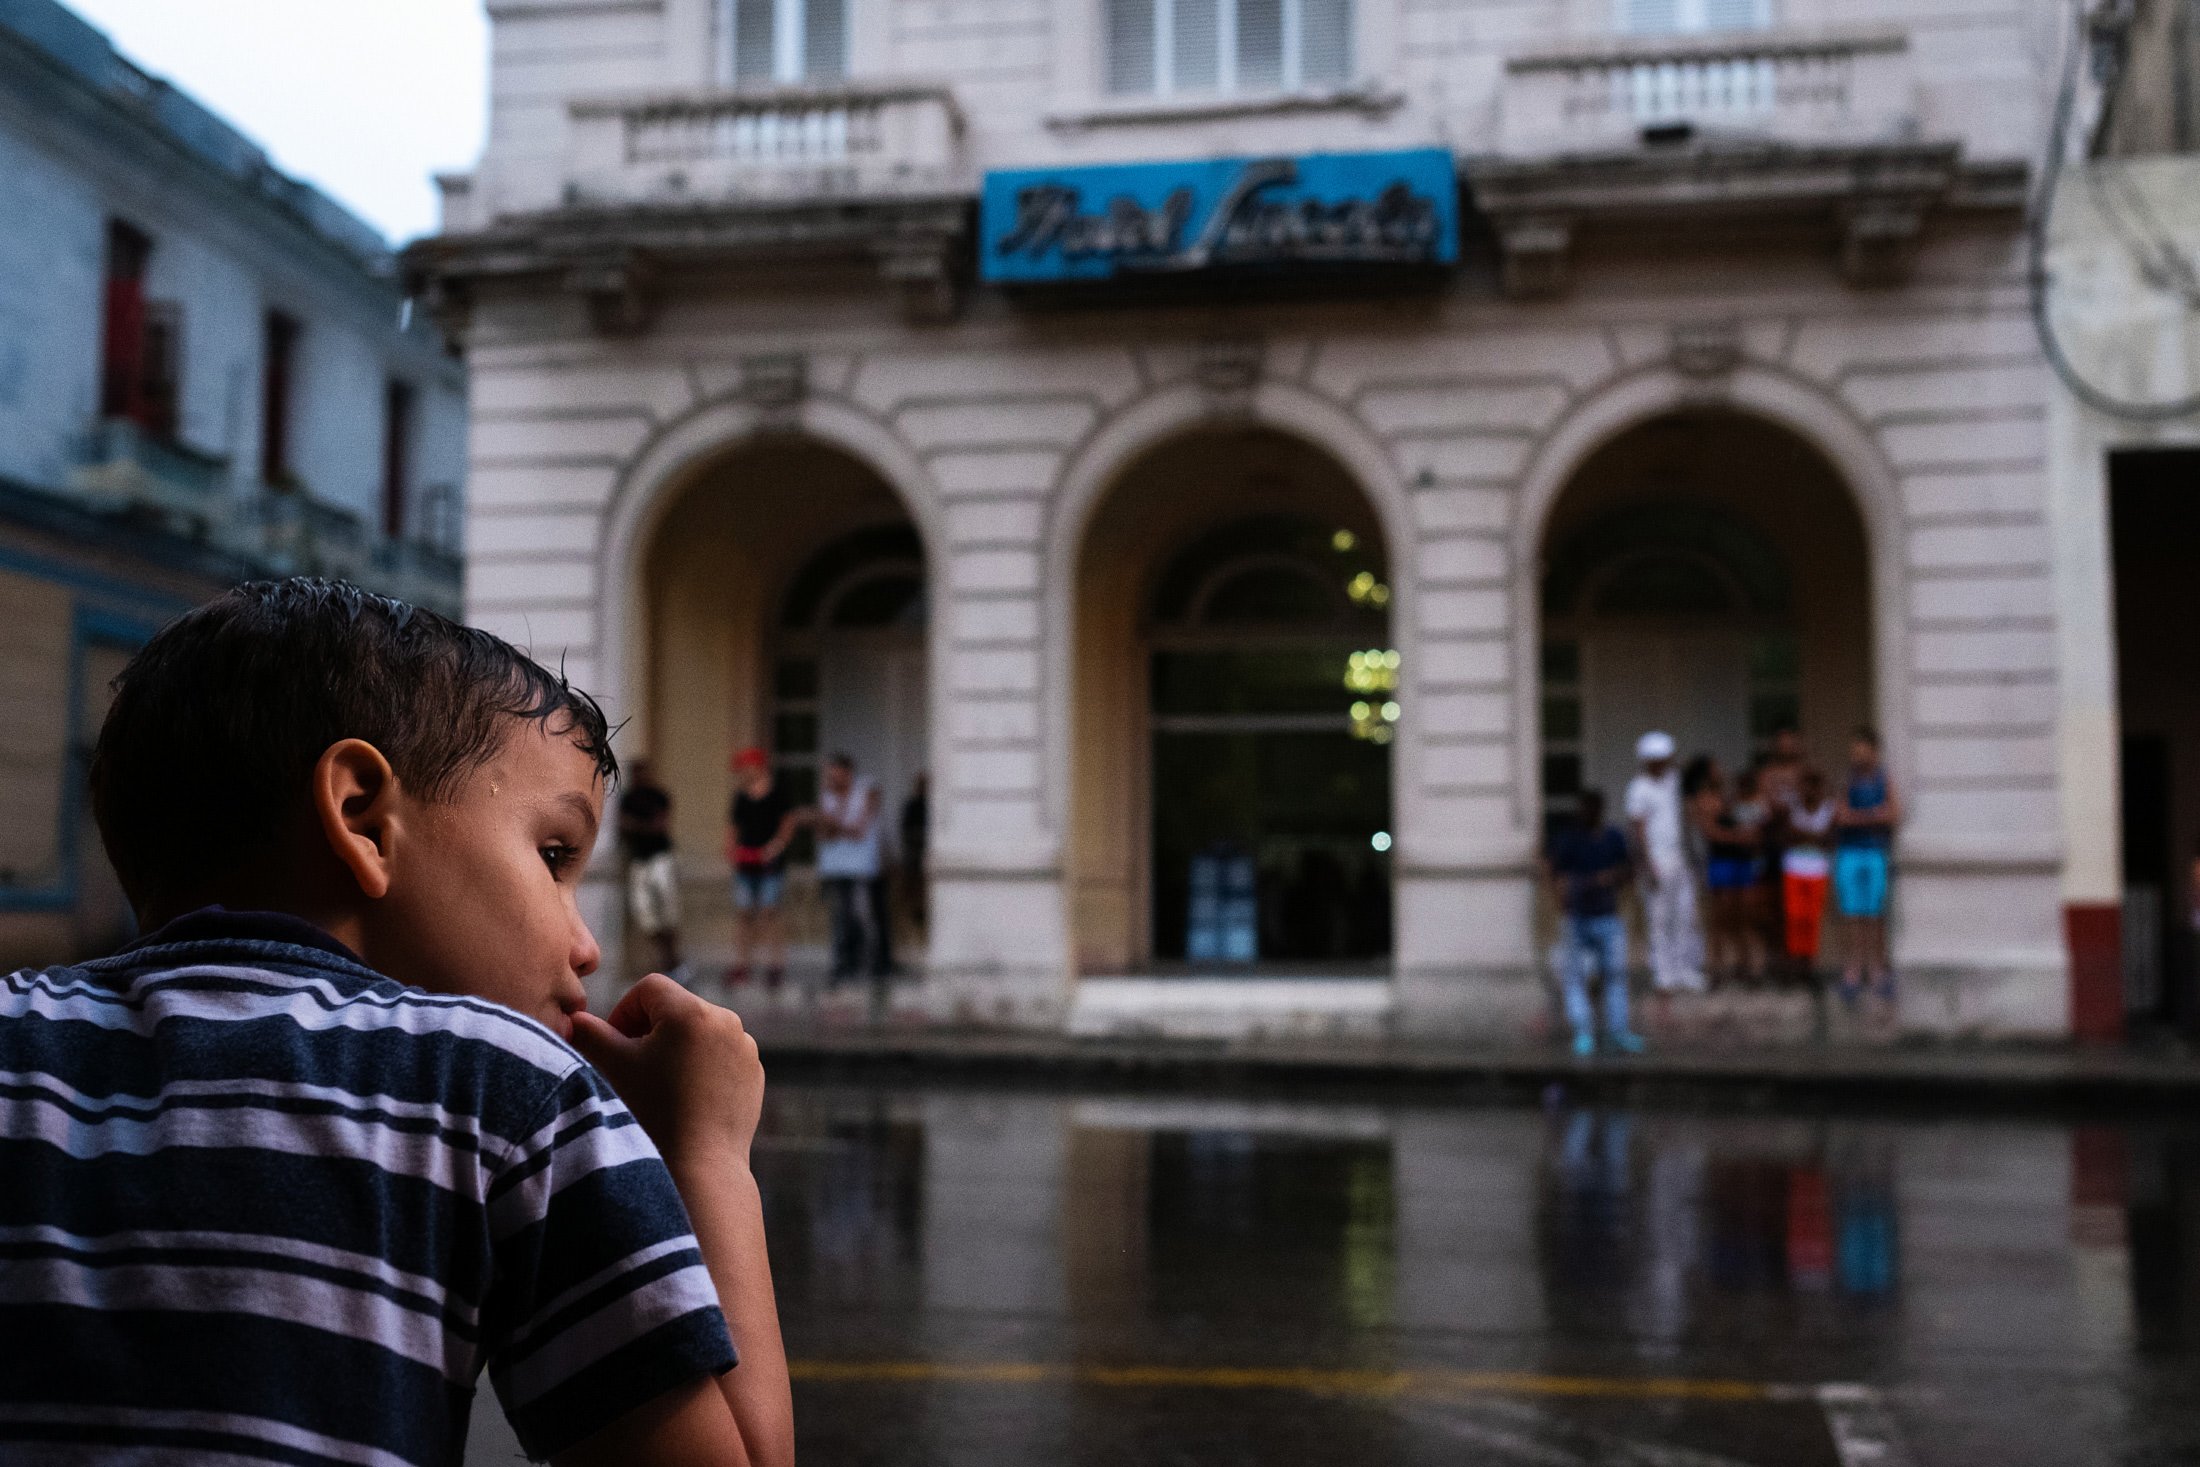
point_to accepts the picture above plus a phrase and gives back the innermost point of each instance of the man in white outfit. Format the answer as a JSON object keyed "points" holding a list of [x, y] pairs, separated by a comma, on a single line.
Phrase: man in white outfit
{"points": [[1668, 889]]}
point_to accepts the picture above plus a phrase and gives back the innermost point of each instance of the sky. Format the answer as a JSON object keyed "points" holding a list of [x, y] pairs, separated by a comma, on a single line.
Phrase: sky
{"points": [[362, 98]]}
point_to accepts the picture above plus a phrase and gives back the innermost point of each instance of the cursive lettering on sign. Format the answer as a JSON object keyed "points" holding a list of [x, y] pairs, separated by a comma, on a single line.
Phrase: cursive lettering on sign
{"points": [[1248, 225]]}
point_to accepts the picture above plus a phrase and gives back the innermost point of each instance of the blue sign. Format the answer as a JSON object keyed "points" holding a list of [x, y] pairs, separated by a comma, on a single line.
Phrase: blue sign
{"points": [[1157, 219]]}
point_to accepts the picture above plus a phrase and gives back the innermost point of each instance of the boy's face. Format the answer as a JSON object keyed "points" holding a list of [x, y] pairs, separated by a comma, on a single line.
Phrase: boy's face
{"points": [[1863, 753], [483, 889]]}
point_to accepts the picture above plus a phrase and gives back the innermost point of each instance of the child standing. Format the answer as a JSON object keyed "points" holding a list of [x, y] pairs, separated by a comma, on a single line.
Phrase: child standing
{"points": [[1806, 868], [1730, 871], [1587, 867], [1864, 831]]}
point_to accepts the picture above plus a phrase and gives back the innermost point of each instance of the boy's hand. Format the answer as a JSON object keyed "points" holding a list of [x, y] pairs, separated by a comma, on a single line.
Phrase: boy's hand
{"points": [[686, 1067]]}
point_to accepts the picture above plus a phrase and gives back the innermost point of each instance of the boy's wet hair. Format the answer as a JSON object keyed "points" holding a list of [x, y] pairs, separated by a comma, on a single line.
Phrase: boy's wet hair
{"points": [[217, 722]]}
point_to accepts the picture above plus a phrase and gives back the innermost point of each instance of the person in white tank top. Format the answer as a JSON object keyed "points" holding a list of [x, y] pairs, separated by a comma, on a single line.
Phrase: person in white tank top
{"points": [[849, 852]]}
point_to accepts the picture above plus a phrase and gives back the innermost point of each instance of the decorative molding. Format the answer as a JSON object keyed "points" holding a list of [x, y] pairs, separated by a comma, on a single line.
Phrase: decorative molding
{"points": [[1879, 239], [923, 274], [1705, 349], [620, 290], [1717, 46], [1367, 100], [1227, 369], [1536, 256], [620, 258], [775, 385], [1875, 200]]}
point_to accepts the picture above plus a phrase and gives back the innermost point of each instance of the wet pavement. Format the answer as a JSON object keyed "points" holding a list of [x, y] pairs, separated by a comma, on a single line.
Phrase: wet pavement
{"points": [[1003, 1276]]}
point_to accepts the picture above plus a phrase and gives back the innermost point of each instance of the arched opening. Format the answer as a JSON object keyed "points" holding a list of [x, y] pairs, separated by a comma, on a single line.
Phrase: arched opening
{"points": [[1234, 704], [1706, 573], [786, 603]]}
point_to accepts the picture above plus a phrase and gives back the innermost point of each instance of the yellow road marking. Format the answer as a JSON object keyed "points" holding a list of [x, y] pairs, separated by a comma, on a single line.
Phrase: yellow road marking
{"points": [[1372, 1383]]}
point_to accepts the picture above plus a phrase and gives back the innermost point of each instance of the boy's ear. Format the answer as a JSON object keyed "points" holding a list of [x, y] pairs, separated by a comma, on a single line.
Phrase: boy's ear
{"points": [[354, 805]]}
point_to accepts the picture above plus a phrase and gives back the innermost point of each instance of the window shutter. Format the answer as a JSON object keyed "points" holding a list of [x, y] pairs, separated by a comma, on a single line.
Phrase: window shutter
{"points": [[1195, 58], [1325, 43], [1260, 45], [824, 40], [753, 34], [1130, 47]]}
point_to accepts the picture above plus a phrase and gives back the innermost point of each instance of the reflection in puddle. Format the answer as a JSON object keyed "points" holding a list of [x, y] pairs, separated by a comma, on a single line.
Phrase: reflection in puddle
{"points": [[1595, 1243]]}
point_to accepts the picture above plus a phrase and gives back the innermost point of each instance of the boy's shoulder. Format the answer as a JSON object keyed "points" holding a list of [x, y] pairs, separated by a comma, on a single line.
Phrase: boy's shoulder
{"points": [[278, 1002]]}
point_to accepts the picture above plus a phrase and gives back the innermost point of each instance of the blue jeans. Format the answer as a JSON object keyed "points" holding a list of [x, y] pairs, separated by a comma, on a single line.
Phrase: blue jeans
{"points": [[1602, 941]]}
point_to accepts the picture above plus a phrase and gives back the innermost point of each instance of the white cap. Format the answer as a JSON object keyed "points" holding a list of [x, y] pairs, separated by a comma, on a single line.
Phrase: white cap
{"points": [[1656, 744]]}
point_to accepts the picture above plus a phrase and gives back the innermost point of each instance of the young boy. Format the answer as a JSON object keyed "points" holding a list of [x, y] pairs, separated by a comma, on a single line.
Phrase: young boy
{"points": [[1864, 829], [286, 1174], [1587, 867]]}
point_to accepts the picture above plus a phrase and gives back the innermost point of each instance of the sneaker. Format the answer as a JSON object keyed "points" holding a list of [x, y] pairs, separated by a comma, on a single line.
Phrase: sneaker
{"points": [[1629, 1042], [1585, 1046]]}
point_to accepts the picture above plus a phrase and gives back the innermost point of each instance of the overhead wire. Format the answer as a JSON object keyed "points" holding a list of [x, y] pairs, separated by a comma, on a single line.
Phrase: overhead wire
{"points": [[2162, 267]]}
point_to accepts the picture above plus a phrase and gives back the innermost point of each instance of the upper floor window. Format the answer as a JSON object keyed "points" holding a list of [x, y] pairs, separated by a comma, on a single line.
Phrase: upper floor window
{"points": [[787, 42], [141, 345], [1685, 17], [278, 371], [1187, 47], [397, 441]]}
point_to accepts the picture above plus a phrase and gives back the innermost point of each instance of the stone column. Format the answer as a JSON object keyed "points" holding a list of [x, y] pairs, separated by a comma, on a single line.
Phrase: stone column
{"points": [[1000, 944]]}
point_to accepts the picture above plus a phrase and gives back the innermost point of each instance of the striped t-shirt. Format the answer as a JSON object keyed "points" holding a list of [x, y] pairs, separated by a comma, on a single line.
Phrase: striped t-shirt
{"points": [[259, 1203]]}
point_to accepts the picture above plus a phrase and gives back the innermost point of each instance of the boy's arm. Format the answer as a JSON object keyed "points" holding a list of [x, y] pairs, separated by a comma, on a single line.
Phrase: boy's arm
{"points": [[690, 1073]]}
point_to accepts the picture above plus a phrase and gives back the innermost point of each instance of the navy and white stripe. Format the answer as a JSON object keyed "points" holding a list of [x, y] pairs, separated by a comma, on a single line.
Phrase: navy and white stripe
{"points": [[260, 1204]]}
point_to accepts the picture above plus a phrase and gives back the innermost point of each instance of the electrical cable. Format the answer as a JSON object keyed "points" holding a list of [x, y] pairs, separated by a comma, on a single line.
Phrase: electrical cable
{"points": [[2164, 270]]}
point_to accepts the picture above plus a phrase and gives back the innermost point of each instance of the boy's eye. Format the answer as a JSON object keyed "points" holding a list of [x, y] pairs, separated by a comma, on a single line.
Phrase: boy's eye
{"points": [[559, 857]]}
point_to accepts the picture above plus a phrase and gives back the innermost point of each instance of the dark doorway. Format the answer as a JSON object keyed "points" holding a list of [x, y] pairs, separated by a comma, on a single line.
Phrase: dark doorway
{"points": [[2154, 516], [1273, 704]]}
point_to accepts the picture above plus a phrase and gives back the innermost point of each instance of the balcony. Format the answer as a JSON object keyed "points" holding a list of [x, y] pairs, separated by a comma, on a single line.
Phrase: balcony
{"points": [[1662, 139], [795, 144], [121, 466], [1833, 88]]}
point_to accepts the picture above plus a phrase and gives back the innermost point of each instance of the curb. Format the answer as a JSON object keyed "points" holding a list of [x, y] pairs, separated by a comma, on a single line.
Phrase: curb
{"points": [[1970, 1078]]}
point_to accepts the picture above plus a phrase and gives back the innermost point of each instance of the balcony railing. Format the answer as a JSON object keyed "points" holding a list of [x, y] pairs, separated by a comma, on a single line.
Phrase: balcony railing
{"points": [[121, 465], [1847, 87], [847, 140]]}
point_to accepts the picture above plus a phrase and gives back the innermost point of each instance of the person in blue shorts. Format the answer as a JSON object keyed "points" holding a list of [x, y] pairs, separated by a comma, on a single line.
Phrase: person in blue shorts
{"points": [[1588, 866], [1864, 828]]}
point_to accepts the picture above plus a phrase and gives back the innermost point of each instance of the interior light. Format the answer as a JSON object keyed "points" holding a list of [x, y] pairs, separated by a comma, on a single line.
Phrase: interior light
{"points": [[1343, 540], [1390, 713], [1380, 840]]}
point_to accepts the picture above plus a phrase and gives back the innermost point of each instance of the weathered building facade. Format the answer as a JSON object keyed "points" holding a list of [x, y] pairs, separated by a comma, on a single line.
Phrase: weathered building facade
{"points": [[1256, 592], [207, 373], [2120, 306]]}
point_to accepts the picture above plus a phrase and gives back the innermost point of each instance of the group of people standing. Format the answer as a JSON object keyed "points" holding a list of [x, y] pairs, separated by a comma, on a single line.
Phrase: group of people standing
{"points": [[846, 823], [1734, 878]]}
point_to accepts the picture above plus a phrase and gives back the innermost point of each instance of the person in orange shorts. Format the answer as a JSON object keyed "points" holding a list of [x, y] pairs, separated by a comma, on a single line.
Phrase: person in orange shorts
{"points": [[1806, 869]]}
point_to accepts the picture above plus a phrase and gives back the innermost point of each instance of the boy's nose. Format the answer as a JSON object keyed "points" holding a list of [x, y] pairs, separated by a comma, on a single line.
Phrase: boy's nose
{"points": [[586, 953]]}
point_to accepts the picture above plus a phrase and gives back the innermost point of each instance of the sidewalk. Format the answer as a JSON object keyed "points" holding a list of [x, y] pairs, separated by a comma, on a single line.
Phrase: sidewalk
{"points": [[840, 1046]]}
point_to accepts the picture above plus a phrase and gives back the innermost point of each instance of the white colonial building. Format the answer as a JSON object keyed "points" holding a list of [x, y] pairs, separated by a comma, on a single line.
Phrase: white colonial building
{"points": [[207, 372], [1261, 457]]}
